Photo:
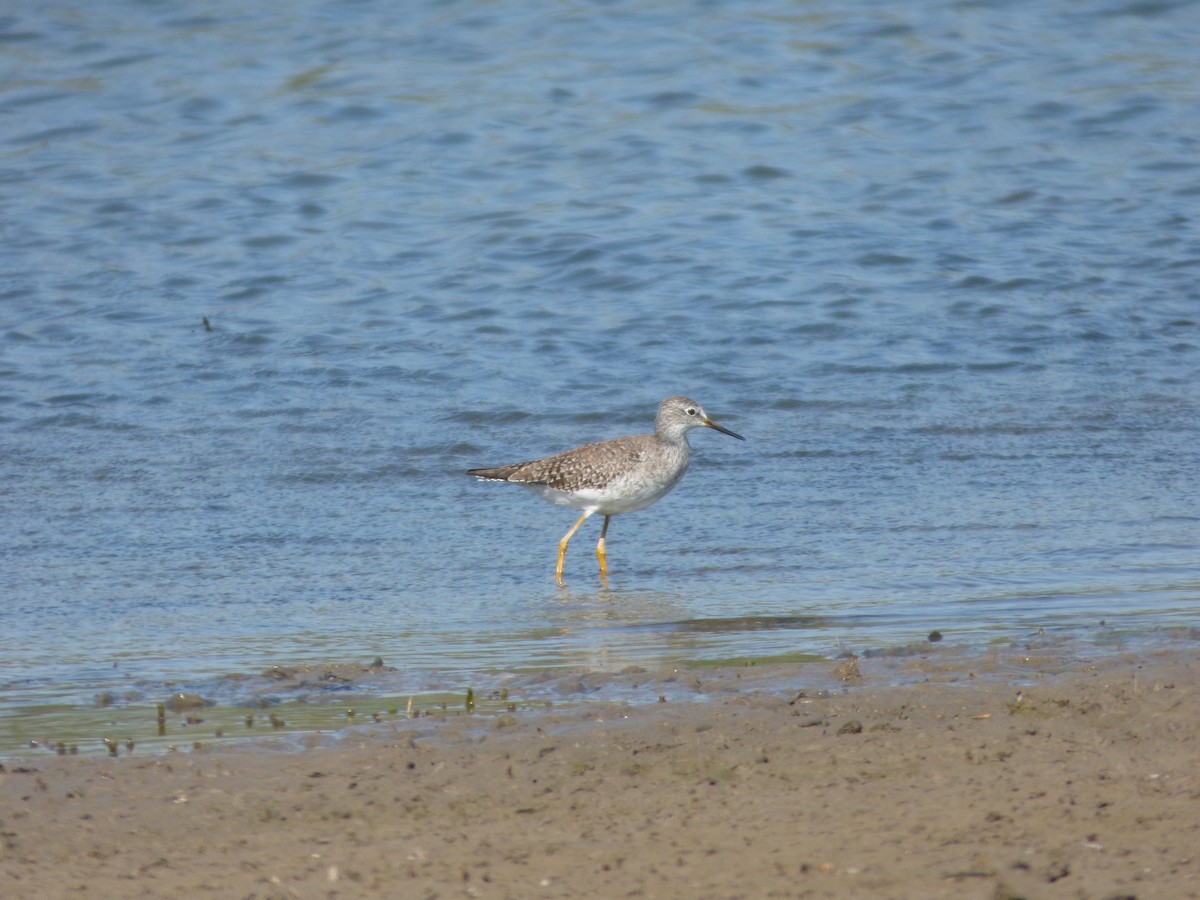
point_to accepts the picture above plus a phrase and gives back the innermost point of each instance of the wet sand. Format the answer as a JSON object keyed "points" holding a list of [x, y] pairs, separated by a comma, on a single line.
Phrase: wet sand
{"points": [[1054, 780]]}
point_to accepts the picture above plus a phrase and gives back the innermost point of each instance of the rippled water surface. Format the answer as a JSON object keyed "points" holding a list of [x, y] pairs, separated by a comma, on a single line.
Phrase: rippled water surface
{"points": [[273, 276]]}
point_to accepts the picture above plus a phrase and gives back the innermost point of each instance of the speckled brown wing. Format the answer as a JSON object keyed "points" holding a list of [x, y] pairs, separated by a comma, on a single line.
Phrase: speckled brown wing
{"points": [[592, 466]]}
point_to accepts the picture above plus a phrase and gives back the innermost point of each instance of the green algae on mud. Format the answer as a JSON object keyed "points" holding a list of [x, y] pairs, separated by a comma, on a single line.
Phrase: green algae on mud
{"points": [[137, 729]]}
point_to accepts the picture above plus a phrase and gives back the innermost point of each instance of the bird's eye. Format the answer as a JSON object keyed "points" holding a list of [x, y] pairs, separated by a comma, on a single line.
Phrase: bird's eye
{"points": [[691, 410]]}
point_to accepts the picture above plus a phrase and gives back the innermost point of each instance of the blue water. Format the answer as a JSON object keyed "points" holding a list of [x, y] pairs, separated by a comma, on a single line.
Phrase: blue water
{"points": [[936, 261]]}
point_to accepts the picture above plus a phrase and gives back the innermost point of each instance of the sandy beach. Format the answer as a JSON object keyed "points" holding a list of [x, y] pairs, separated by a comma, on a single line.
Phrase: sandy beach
{"points": [[1052, 780]]}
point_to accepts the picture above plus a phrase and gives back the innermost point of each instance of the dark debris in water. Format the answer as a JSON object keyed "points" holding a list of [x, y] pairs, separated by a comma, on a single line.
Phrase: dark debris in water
{"points": [[324, 676], [181, 701]]}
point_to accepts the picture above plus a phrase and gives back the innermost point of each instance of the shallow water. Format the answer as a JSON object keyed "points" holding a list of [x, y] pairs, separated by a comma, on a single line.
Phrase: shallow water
{"points": [[936, 262]]}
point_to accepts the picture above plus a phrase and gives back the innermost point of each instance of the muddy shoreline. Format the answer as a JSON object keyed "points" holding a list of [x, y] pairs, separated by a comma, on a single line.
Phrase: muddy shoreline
{"points": [[1079, 782]]}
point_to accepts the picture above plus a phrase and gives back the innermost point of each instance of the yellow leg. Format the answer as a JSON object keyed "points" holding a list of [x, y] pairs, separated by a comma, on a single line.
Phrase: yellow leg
{"points": [[600, 548], [562, 546]]}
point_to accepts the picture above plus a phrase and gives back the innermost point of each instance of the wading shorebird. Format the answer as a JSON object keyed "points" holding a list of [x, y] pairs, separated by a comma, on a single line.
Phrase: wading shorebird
{"points": [[616, 476]]}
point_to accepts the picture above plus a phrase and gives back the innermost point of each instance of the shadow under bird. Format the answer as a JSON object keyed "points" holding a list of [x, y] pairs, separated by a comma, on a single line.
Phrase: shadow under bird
{"points": [[616, 476]]}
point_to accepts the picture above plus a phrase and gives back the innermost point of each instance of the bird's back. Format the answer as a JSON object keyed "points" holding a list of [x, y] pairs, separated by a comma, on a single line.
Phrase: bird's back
{"points": [[591, 467]]}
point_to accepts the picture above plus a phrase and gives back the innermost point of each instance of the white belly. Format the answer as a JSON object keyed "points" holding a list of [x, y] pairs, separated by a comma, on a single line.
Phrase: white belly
{"points": [[622, 496]]}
